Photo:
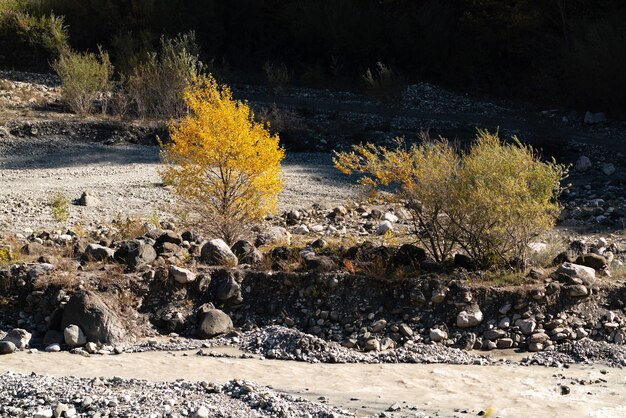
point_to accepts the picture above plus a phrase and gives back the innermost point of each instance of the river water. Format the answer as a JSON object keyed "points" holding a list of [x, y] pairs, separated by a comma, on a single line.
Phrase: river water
{"points": [[510, 389]]}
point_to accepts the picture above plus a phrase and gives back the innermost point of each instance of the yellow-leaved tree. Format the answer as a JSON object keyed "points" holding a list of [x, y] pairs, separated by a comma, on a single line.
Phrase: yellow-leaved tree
{"points": [[223, 164]]}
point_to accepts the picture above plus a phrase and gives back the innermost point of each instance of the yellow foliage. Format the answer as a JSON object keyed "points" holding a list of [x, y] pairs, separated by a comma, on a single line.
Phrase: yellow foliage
{"points": [[222, 162], [489, 201]]}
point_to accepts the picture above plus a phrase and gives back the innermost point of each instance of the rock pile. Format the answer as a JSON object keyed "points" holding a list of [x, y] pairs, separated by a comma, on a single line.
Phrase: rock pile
{"points": [[46, 397]]}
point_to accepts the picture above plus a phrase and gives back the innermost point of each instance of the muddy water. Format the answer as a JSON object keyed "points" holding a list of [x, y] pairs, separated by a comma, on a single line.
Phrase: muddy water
{"points": [[512, 390]]}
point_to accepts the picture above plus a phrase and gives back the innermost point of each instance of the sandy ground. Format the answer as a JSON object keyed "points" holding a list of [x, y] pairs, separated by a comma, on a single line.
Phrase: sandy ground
{"points": [[512, 390]]}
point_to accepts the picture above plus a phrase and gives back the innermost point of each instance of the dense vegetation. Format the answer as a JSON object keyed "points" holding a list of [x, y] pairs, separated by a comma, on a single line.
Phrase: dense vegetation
{"points": [[572, 51], [489, 201]]}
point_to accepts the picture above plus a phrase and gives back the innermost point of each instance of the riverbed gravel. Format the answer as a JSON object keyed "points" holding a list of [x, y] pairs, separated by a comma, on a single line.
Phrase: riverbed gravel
{"points": [[44, 396]]}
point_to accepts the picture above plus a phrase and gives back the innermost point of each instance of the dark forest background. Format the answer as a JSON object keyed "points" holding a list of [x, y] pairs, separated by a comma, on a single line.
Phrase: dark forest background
{"points": [[569, 52]]}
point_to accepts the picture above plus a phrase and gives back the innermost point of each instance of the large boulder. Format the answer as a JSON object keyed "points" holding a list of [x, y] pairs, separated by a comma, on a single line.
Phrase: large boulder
{"points": [[409, 255], [135, 254], [595, 261], [96, 252], [34, 249], [214, 322], [99, 321], [74, 336], [7, 347], [19, 337], [469, 319], [89, 199], [228, 289], [246, 252], [169, 236], [586, 274], [217, 253], [320, 264]]}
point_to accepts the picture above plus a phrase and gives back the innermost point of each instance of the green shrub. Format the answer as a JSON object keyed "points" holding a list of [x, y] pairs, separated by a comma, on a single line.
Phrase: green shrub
{"points": [[60, 207], [277, 75], [26, 38], [86, 77], [489, 201], [156, 86], [383, 82]]}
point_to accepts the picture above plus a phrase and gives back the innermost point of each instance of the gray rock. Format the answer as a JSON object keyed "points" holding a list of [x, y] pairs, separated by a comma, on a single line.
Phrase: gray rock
{"points": [[60, 409], [384, 228], [527, 326], [538, 337], [53, 348], [469, 319], [608, 169], [247, 252], [586, 274], [437, 335], [594, 118], [214, 322], [301, 230], [276, 235], [320, 264], [217, 253], [135, 254], [379, 325], [372, 344], [202, 412], [99, 322], [577, 290], [19, 337], [504, 343], [405, 330], [595, 261], [494, 334], [169, 236], [91, 347], [43, 413], [229, 289], [582, 164], [96, 252], [89, 199], [181, 275], [34, 249], [7, 347], [74, 336]]}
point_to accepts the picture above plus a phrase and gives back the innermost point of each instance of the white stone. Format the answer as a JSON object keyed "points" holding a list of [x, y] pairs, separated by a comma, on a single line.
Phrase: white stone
{"points": [[438, 335], [301, 230], [390, 217], [384, 228], [74, 336], [202, 412], [43, 413], [469, 319], [181, 275]]}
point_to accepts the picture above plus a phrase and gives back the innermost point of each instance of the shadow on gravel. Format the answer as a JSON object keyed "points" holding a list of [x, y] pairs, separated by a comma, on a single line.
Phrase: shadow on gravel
{"points": [[317, 167], [48, 156]]}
